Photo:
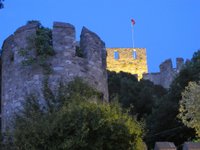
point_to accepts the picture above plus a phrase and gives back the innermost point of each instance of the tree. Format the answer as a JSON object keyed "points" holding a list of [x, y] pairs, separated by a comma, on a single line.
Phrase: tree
{"points": [[164, 124], [75, 118], [142, 95], [1, 4], [189, 111]]}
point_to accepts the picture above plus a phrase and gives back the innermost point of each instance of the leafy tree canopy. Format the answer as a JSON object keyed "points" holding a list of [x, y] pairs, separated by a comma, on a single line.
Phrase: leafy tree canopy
{"points": [[75, 118], [163, 123], [141, 96], [190, 108]]}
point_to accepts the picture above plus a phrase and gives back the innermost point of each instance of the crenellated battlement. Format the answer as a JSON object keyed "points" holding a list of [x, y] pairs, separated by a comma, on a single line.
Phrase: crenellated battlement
{"points": [[167, 73], [19, 80], [130, 60]]}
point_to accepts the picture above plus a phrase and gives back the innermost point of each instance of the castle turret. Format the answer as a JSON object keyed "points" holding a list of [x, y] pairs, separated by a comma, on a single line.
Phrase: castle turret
{"points": [[130, 60], [19, 80]]}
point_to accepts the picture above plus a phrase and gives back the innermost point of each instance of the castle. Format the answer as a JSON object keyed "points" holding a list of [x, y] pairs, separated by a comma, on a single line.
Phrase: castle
{"points": [[18, 80]]}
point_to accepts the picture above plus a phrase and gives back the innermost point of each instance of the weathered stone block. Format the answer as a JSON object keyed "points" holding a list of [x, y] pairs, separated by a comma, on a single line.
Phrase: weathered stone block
{"points": [[164, 146], [64, 37], [166, 66], [191, 146]]}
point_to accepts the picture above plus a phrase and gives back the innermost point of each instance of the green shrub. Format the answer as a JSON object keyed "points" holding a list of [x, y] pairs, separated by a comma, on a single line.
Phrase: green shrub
{"points": [[189, 110], [42, 43], [81, 122]]}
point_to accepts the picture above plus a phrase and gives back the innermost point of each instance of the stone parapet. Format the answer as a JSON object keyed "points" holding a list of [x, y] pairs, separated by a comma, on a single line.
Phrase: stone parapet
{"points": [[167, 73], [130, 60], [164, 146], [64, 37]]}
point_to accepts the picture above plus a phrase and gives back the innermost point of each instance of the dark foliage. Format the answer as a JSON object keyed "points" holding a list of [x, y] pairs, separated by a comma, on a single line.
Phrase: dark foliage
{"points": [[141, 97], [43, 41], [74, 118], [164, 124], [79, 52]]}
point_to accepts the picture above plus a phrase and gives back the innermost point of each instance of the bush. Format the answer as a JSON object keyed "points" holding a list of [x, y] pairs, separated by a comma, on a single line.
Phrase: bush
{"points": [[189, 110], [81, 122]]}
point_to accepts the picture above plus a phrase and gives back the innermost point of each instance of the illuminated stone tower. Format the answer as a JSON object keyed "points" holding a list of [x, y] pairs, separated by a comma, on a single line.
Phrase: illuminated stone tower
{"points": [[130, 60]]}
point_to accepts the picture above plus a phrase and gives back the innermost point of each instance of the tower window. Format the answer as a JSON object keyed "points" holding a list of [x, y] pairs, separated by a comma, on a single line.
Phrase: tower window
{"points": [[116, 55], [134, 53]]}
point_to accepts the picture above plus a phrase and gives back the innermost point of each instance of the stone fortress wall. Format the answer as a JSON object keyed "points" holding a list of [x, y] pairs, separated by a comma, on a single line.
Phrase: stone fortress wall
{"points": [[167, 73], [134, 61], [130, 60], [19, 80]]}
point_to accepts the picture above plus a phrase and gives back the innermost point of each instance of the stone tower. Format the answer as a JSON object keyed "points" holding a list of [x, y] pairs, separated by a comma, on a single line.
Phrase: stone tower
{"points": [[18, 80], [130, 60]]}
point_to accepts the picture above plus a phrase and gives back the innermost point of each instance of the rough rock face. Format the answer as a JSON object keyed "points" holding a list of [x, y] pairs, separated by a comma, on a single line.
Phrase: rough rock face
{"points": [[19, 80], [167, 73]]}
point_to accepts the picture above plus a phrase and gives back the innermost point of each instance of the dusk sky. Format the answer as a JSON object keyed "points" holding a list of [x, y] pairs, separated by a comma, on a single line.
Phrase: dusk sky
{"points": [[166, 28]]}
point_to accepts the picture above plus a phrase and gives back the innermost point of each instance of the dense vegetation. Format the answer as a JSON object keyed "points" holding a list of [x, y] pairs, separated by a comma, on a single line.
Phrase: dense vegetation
{"points": [[156, 106], [164, 123], [74, 118], [141, 97]]}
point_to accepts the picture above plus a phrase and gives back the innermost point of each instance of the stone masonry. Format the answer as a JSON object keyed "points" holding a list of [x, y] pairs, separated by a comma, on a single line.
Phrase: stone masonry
{"points": [[166, 74], [130, 60], [19, 80], [164, 146]]}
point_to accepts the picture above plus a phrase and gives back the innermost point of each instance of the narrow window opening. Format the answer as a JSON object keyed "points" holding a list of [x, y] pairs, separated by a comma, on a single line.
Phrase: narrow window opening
{"points": [[116, 55], [134, 53]]}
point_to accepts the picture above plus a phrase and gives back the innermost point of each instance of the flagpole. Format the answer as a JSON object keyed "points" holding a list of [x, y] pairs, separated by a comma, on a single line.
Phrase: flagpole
{"points": [[132, 36], [132, 30]]}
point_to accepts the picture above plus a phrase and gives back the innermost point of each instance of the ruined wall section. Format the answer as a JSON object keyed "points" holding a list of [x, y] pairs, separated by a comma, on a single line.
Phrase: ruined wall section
{"points": [[128, 61], [167, 73], [19, 80]]}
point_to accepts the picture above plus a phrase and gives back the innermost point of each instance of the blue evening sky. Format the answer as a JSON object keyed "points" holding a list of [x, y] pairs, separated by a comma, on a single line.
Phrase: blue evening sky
{"points": [[166, 28]]}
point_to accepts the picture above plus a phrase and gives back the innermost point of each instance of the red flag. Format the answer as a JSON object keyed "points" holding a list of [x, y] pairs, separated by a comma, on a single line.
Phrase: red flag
{"points": [[133, 22]]}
